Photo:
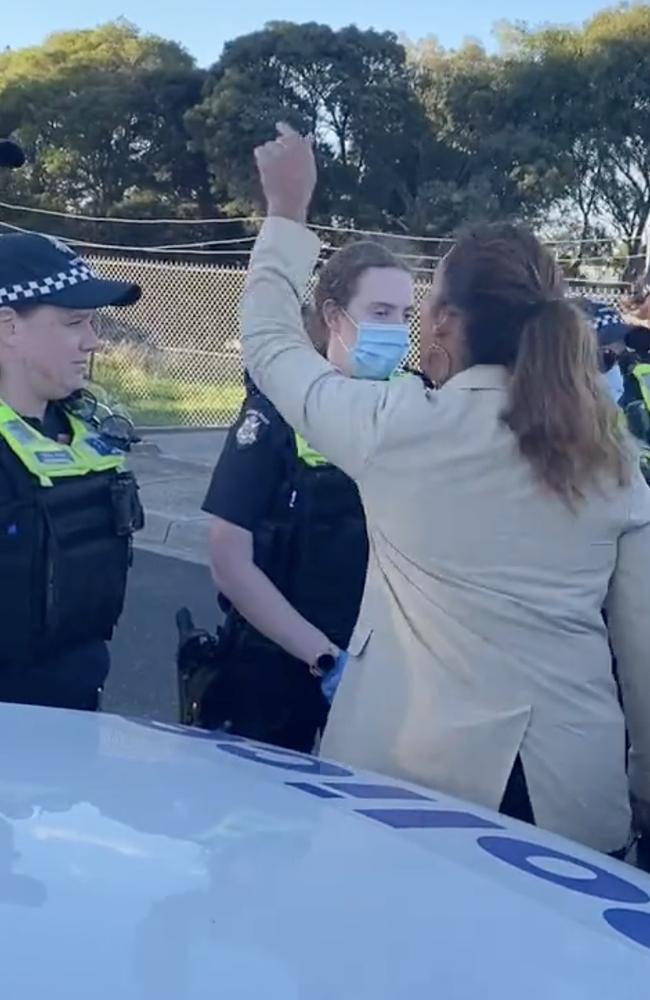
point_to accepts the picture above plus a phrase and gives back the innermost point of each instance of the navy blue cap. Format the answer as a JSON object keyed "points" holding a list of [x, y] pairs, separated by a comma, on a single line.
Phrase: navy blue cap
{"points": [[608, 323], [39, 270], [11, 155]]}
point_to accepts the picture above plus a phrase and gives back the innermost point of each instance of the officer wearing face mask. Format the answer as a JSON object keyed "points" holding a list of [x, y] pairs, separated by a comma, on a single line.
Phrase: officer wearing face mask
{"points": [[288, 541]]}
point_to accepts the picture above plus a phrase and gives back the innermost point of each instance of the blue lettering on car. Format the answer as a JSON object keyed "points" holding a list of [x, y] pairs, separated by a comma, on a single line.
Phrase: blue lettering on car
{"points": [[289, 760], [518, 853], [634, 924], [602, 884]]}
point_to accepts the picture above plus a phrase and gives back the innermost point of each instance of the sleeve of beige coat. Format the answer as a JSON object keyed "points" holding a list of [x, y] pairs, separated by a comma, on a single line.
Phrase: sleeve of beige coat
{"points": [[629, 628], [341, 417]]}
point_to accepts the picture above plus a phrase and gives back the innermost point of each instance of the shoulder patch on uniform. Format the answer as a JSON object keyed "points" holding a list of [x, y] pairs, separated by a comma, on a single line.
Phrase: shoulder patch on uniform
{"points": [[253, 424]]}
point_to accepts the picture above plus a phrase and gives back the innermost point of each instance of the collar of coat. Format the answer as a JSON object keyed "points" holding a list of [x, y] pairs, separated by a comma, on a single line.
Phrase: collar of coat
{"points": [[480, 377]]}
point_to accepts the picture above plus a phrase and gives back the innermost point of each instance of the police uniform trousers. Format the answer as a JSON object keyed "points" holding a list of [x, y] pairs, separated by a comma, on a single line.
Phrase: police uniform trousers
{"points": [[71, 679]]}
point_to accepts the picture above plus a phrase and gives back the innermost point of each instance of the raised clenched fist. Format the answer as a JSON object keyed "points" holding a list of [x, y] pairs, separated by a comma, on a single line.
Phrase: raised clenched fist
{"points": [[287, 169]]}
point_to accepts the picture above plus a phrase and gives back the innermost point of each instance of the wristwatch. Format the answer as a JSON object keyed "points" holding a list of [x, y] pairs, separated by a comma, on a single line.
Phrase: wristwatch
{"points": [[323, 664]]}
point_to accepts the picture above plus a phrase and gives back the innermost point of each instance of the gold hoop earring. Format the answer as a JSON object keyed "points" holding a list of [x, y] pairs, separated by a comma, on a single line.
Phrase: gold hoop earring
{"points": [[438, 380]]}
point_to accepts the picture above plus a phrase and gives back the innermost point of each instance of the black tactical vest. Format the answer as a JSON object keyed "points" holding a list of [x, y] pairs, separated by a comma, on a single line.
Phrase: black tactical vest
{"points": [[314, 547], [65, 551]]}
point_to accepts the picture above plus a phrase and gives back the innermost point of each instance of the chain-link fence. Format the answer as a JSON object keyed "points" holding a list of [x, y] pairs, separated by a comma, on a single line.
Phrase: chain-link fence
{"points": [[175, 358]]}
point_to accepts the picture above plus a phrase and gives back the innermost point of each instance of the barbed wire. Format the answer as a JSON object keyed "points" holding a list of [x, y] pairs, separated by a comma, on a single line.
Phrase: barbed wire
{"points": [[256, 220]]}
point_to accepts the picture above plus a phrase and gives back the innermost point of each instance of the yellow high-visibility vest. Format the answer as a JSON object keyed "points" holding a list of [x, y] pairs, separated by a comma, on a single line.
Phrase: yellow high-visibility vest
{"points": [[50, 460], [641, 373]]}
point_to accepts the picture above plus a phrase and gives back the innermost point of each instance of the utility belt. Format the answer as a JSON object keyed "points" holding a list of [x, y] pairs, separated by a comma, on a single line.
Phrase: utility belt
{"points": [[238, 638], [205, 660], [256, 690], [198, 661], [65, 552]]}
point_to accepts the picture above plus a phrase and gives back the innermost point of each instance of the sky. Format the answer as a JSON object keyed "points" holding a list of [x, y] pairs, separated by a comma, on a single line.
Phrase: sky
{"points": [[204, 25]]}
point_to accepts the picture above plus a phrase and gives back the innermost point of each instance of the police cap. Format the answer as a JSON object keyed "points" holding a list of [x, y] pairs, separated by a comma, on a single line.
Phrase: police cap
{"points": [[11, 155], [608, 323], [38, 270]]}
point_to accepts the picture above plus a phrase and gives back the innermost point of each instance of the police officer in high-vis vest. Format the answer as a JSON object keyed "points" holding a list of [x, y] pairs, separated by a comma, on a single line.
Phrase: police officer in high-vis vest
{"points": [[635, 365], [68, 507], [289, 548], [625, 368]]}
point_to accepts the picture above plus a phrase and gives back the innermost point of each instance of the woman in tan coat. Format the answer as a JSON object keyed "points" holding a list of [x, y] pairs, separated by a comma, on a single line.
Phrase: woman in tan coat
{"points": [[503, 510]]}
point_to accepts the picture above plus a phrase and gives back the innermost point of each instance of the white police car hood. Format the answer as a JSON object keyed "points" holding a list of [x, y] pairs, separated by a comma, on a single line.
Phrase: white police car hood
{"points": [[141, 861]]}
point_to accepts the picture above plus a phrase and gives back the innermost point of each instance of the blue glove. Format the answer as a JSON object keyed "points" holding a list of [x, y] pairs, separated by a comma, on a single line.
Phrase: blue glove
{"points": [[331, 680]]}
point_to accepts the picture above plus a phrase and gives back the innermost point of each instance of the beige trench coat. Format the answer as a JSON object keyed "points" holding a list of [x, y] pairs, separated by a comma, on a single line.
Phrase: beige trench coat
{"points": [[480, 634]]}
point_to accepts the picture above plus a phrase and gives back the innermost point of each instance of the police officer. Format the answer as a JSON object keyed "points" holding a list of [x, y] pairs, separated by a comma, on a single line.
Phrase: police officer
{"points": [[625, 367], [68, 508], [635, 364], [288, 542], [611, 330]]}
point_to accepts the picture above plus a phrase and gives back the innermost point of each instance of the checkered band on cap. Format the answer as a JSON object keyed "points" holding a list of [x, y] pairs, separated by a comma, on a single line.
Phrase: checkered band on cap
{"points": [[607, 317], [74, 274]]}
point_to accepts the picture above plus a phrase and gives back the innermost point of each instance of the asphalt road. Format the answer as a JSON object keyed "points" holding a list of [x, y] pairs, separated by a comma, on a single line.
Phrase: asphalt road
{"points": [[143, 675]]}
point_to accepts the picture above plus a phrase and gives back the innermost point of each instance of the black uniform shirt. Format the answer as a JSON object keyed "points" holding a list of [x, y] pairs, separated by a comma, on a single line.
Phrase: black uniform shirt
{"points": [[252, 465], [254, 460], [317, 554]]}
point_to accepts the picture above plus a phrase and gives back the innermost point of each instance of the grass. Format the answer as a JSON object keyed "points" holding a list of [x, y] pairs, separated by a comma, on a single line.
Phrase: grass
{"points": [[162, 399]]}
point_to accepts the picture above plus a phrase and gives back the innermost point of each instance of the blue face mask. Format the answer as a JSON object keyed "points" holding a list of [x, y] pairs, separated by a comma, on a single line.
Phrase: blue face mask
{"points": [[614, 382], [380, 349]]}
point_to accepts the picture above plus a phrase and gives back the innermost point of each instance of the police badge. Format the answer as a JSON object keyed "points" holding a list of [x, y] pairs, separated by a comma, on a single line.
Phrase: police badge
{"points": [[249, 430]]}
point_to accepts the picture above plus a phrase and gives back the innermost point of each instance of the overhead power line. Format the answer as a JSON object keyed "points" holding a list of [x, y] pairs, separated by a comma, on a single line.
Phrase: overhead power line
{"points": [[256, 220]]}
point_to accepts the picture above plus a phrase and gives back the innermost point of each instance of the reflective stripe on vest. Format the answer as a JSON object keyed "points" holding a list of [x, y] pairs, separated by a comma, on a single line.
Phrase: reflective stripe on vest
{"points": [[641, 373], [49, 460]]}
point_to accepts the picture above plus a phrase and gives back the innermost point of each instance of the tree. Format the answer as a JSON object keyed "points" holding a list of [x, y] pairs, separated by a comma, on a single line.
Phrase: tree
{"points": [[553, 129], [472, 105], [589, 102], [102, 116], [352, 89]]}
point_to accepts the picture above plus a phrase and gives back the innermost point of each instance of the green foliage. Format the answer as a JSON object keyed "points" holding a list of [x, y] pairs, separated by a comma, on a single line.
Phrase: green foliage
{"points": [[165, 397], [352, 89], [101, 114], [553, 129]]}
